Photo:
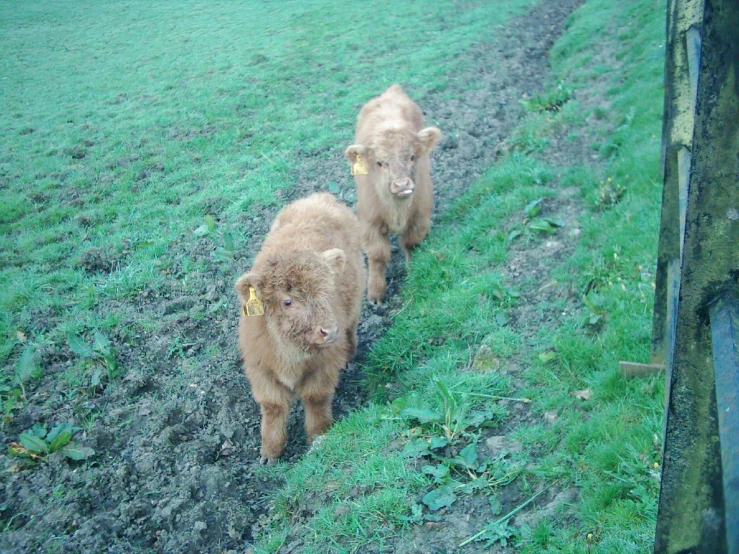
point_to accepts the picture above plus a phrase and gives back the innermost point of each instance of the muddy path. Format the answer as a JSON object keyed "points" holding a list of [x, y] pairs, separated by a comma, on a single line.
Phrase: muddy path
{"points": [[177, 435]]}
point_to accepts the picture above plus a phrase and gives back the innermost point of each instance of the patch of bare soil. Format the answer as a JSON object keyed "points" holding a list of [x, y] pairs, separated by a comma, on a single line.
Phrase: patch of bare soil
{"points": [[178, 436]]}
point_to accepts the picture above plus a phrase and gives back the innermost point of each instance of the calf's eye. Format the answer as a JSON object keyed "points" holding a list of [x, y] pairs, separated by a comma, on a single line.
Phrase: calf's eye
{"points": [[287, 303], [379, 164], [413, 157]]}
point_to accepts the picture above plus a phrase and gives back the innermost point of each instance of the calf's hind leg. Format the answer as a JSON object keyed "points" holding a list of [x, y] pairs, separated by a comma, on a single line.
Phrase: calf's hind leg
{"points": [[352, 341], [377, 246], [414, 234]]}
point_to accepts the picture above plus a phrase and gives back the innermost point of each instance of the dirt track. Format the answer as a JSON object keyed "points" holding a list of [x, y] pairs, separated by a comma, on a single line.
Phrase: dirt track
{"points": [[161, 481]]}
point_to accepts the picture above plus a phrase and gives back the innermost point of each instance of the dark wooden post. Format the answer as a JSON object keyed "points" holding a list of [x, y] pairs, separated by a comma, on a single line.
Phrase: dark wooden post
{"points": [[697, 333], [682, 56]]}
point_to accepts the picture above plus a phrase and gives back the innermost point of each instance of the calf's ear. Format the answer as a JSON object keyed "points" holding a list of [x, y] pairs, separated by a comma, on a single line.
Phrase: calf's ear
{"points": [[429, 138], [335, 258], [351, 152], [247, 281]]}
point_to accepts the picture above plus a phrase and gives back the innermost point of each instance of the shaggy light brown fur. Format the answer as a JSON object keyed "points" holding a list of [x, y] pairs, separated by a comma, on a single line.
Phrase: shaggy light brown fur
{"points": [[396, 196], [310, 276]]}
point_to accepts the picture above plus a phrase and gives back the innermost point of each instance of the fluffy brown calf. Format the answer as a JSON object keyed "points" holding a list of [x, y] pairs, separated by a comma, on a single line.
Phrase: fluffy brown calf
{"points": [[309, 280], [391, 165]]}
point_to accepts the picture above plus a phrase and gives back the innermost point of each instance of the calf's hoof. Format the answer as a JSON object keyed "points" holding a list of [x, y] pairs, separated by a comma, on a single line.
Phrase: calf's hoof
{"points": [[407, 253], [314, 441], [267, 460]]}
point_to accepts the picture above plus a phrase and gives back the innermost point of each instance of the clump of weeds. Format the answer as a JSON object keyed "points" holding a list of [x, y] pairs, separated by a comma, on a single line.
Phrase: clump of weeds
{"points": [[222, 238], [533, 224], [448, 430], [550, 102], [13, 387], [610, 193], [36, 444], [99, 357]]}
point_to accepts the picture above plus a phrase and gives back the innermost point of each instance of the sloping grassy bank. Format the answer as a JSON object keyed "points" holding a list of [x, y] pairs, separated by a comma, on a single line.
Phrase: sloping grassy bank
{"points": [[483, 355]]}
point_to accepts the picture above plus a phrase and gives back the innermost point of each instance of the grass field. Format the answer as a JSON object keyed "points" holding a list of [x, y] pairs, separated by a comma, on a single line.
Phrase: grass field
{"points": [[144, 148], [125, 125]]}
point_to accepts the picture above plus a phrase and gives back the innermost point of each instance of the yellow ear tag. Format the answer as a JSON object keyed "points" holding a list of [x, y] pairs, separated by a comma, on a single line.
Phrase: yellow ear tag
{"points": [[253, 306], [359, 168]]}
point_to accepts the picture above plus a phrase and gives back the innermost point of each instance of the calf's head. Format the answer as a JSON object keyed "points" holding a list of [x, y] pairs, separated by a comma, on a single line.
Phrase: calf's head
{"points": [[296, 289], [391, 158]]}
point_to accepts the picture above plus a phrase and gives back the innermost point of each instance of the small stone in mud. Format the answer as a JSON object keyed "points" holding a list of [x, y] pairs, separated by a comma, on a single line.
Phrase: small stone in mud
{"points": [[178, 305], [77, 153], [485, 360], [136, 379], [341, 511], [372, 322], [181, 317], [227, 448], [553, 245], [200, 526], [449, 142], [500, 443]]}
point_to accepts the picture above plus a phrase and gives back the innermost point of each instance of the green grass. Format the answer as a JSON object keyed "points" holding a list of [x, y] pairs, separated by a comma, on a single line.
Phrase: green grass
{"points": [[124, 125], [455, 300]]}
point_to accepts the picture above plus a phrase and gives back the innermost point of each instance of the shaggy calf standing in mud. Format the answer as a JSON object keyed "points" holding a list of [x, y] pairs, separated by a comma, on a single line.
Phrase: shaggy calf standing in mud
{"points": [[301, 304], [392, 170]]}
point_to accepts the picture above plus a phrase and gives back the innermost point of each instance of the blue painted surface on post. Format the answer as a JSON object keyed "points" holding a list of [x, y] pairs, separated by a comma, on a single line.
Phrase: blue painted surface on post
{"points": [[673, 293], [683, 179], [724, 315], [693, 40]]}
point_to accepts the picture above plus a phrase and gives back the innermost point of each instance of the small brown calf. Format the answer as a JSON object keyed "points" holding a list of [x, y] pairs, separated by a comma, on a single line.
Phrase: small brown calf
{"points": [[391, 166], [307, 282]]}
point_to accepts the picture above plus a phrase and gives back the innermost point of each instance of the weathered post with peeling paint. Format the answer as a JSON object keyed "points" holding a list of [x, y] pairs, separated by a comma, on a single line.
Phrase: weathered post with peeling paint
{"points": [[684, 19], [696, 319]]}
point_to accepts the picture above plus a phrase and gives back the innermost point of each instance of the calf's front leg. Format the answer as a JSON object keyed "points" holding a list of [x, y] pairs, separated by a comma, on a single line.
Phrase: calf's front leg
{"points": [[274, 400], [318, 415], [274, 431], [316, 393]]}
